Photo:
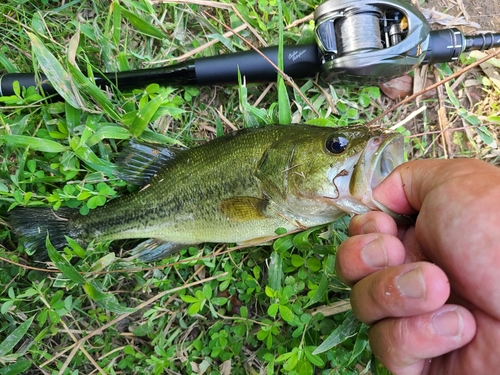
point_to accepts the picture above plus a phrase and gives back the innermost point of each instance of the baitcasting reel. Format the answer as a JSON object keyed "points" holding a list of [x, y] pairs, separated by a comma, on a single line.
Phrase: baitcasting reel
{"points": [[367, 39], [372, 40], [361, 41]]}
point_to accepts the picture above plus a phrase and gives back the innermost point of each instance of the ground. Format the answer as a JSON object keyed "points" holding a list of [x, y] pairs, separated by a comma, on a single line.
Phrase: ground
{"points": [[484, 12]]}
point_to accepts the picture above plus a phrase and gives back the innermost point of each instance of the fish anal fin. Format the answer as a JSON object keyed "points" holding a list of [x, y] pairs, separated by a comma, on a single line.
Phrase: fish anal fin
{"points": [[243, 208], [156, 249], [139, 162]]}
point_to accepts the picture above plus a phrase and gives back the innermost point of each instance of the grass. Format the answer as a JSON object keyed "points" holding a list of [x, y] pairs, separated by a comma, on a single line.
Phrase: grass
{"points": [[216, 309]]}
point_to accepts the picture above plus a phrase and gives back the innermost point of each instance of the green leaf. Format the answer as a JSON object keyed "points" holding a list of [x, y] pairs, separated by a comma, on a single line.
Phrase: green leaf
{"points": [[189, 299], [35, 144], [63, 265], [314, 264], [108, 132], [283, 244], [111, 304], [314, 359], [145, 114], [359, 346], [319, 292], [275, 270], [92, 91], [102, 263], [297, 260], [273, 310], [94, 291], [140, 24], [485, 135], [348, 328], [58, 77], [19, 367], [285, 113], [286, 313], [8, 344]]}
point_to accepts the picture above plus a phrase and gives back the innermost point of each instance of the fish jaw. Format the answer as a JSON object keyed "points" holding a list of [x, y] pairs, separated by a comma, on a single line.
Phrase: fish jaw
{"points": [[380, 157]]}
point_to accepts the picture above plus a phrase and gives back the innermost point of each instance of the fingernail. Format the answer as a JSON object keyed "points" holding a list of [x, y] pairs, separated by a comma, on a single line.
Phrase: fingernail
{"points": [[369, 227], [411, 284], [448, 323], [374, 254]]}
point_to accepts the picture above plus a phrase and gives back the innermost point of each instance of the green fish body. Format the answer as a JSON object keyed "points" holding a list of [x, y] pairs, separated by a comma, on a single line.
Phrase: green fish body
{"points": [[238, 188]]}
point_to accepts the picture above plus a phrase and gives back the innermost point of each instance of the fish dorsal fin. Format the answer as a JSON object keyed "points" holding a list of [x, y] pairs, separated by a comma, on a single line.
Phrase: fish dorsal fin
{"points": [[139, 162]]}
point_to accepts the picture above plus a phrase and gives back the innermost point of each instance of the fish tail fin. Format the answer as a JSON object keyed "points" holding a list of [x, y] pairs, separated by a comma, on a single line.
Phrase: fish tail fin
{"points": [[33, 225]]}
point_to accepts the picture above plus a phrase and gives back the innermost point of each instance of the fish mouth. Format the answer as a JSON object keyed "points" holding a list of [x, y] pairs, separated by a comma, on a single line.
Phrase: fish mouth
{"points": [[384, 160], [380, 157]]}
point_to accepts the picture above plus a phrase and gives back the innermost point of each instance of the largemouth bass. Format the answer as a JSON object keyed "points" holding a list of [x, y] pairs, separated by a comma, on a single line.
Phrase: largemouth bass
{"points": [[239, 188]]}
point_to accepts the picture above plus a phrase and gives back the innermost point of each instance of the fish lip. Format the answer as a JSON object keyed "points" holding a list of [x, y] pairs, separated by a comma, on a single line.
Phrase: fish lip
{"points": [[380, 157]]}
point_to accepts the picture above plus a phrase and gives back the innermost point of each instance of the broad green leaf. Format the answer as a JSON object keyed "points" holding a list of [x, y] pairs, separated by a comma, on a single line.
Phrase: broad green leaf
{"points": [[189, 299], [348, 328], [8, 344], [58, 77], [36, 144], [314, 359], [141, 25], [273, 310], [63, 265], [297, 260], [286, 313]]}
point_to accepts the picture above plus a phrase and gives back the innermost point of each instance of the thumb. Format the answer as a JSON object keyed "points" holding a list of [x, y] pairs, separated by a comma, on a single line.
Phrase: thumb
{"points": [[406, 188]]}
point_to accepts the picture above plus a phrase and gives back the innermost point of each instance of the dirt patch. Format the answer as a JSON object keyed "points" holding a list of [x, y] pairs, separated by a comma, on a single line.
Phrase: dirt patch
{"points": [[486, 13]]}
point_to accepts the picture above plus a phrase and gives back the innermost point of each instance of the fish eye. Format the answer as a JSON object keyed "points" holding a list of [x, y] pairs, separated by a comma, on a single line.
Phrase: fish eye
{"points": [[336, 145]]}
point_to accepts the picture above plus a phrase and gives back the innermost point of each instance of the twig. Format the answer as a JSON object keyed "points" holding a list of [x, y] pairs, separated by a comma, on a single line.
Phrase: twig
{"points": [[444, 124], [431, 87], [408, 118], [301, 21]]}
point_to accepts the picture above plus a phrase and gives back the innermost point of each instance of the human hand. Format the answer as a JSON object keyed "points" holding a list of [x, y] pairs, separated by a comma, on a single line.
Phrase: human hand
{"points": [[430, 292]]}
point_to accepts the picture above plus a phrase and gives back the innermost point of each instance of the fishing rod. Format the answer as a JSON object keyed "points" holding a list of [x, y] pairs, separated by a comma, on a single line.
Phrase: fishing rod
{"points": [[361, 41]]}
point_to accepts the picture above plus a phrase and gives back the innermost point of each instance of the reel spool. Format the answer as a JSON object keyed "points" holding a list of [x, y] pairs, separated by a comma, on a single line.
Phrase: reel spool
{"points": [[368, 41]]}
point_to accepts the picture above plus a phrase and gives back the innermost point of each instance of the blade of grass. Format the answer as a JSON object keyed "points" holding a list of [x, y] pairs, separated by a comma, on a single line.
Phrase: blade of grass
{"points": [[58, 77], [8, 344], [285, 113], [36, 144]]}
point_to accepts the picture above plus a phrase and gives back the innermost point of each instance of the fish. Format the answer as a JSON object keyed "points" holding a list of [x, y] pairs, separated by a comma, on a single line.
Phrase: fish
{"points": [[239, 188]]}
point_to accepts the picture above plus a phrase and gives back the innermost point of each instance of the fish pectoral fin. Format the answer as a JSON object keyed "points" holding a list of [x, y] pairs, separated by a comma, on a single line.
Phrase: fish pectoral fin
{"points": [[243, 208], [156, 249]]}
